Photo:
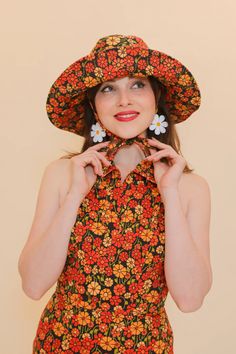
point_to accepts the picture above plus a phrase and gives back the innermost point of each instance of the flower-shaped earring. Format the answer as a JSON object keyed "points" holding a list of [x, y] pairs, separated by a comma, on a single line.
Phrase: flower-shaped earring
{"points": [[158, 124], [97, 133]]}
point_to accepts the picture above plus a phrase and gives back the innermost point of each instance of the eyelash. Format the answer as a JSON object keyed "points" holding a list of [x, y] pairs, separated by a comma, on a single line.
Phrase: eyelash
{"points": [[137, 82]]}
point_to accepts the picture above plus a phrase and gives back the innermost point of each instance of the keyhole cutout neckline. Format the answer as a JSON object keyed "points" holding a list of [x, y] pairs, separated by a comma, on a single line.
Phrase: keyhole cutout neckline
{"points": [[144, 167]]}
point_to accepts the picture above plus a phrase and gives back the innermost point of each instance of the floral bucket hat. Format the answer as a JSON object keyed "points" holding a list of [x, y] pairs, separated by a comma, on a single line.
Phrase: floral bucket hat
{"points": [[116, 56]]}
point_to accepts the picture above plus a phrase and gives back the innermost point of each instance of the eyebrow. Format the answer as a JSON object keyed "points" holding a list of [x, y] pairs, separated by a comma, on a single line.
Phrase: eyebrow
{"points": [[130, 77]]}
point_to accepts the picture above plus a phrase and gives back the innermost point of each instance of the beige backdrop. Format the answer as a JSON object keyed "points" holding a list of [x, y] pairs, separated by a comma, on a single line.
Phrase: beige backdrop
{"points": [[39, 40]]}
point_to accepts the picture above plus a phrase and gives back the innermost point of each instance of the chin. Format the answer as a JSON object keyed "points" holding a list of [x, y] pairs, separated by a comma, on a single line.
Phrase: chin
{"points": [[128, 135]]}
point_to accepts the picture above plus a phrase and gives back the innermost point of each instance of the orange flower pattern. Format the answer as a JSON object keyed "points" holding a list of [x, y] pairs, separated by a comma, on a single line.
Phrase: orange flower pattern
{"points": [[116, 56], [111, 293]]}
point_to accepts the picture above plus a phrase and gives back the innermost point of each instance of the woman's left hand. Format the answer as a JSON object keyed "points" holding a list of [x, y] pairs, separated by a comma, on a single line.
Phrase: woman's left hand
{"points": [[171, 177]]}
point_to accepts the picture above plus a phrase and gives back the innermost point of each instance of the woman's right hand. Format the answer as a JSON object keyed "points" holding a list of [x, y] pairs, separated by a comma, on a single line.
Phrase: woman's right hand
{"points": [[82, 179]]}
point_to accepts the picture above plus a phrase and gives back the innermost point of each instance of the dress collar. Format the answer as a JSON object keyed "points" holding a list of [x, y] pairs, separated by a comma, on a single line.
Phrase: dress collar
{"points": [[144, 168]]}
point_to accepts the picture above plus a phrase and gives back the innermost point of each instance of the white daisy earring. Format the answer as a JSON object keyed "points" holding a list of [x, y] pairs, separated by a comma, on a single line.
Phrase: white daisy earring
{"points": [[158, 124], [97, 133]]}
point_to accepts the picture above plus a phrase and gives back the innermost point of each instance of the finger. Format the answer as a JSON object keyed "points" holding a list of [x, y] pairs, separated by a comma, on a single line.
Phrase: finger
{"points": [[102, 157], [98, 146], [163, 153], [98, 168]]}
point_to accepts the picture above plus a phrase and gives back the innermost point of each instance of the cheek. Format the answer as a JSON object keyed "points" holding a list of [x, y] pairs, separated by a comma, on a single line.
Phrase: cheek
{"points": [[103, 105], [149, 100]]}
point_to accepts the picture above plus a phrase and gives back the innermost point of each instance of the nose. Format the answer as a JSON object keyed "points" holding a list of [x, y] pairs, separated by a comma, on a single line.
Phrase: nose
{"points": [[123, 98]]}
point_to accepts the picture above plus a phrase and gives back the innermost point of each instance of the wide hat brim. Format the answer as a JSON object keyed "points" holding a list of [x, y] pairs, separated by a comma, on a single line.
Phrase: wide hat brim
{"points": [[65, 107]]}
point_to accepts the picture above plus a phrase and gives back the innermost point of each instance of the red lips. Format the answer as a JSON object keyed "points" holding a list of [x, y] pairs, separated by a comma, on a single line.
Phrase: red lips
{"points": [[126, 112], [126, 116]]}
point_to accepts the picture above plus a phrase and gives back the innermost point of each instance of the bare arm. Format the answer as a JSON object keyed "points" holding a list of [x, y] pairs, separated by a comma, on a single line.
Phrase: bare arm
{"points": [[187, 262], [44, 255]]}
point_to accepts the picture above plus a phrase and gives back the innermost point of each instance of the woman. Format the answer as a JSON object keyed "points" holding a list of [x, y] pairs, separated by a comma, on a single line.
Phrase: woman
{"points": [[125, 221]]}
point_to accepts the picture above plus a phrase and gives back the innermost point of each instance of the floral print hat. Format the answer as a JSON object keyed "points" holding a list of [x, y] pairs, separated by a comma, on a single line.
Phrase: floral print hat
{"points": [[116, 56]]}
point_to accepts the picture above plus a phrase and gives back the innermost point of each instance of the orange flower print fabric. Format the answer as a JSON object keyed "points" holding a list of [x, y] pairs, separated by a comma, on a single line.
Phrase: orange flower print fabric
{"points": [[111, 293]]}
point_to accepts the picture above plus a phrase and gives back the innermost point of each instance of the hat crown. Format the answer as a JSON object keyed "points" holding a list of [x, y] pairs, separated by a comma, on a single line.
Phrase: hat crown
{"points": [[118, 41]]}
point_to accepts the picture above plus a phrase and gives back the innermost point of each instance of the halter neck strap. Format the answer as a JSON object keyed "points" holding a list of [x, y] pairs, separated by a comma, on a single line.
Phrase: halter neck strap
{"points": [[117, 142]]}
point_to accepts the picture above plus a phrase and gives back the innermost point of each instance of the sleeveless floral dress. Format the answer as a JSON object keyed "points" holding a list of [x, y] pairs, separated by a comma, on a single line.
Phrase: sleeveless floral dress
{"points": [[111, 293]]}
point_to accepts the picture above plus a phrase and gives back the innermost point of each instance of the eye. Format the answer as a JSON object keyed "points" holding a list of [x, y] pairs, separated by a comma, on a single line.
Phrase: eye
{"points": [[138, 82], [103, 89]]}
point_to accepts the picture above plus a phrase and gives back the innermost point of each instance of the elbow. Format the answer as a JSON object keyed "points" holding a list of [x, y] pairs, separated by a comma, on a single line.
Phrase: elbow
{"points": [[27, 289], [194, 303], [32, 294], [190, 306]]}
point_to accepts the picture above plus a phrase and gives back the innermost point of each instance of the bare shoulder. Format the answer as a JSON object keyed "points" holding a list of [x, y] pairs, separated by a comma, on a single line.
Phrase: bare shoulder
{"points": [[194, 181], [59, 167], [60, 171], [194, 186]]}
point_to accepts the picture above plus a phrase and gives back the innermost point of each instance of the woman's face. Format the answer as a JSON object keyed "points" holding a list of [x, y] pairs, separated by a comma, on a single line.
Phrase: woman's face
{"points": [[128, 94]]}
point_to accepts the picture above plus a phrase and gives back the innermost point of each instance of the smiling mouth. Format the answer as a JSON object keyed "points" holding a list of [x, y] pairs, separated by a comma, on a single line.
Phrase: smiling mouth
{"points": [[126, 117]]}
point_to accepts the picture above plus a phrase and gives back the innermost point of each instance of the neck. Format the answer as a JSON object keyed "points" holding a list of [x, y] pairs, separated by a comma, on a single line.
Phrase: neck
{"points": [[130, 150], [134, 154]]}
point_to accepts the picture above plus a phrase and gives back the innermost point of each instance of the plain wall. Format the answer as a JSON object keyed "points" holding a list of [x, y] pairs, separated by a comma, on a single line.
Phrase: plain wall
{"points": [[39, 40]]}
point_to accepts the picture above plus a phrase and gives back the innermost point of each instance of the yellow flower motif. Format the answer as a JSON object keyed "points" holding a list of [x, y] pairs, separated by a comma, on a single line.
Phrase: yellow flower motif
{"points": [[160, 249], [149, 70], [68, 314], [112, 40], [139, 209], [117, 317], [98, 72], [107, 241], [130, 263], [95, 270], [127, 295], [122, 52], [119, 271], [196, 101], [108, 282], [184, 80], [83, 318], [111, 216], [90, 81], [73, 299], [146, 235], [139, 75], [98, 228], [107, 343], [89, 279], [162, 237], [106, 294], [136, 327], [159, 346], [128, 216], [148, 258], [94, 288], [58, 329], [65, 344], [104, 204], [153, 296], [49, 108]]}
